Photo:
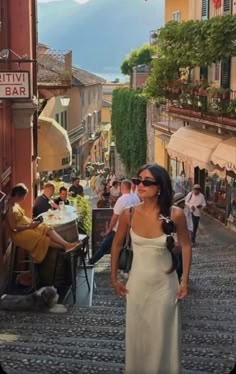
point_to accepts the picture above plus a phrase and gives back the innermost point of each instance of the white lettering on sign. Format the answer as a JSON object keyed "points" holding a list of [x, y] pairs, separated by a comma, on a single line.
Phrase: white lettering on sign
{"points": [[14, 85]]}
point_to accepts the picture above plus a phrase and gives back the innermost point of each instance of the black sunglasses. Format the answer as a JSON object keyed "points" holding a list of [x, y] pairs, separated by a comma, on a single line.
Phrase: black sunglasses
{"points": [[145, 182]]}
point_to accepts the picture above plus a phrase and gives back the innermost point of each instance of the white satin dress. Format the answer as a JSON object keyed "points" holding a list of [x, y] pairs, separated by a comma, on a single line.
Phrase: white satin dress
{"points": [[153, 340]]}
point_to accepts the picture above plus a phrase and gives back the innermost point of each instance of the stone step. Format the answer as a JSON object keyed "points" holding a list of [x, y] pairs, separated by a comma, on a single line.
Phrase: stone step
{"points": [[51, 365], [90, 319], [202, 361], [49, 330], [71, 342], [63, 351], [194, 360]]}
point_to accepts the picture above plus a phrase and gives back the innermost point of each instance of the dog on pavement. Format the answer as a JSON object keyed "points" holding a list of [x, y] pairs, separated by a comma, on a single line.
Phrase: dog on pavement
{"points": [[43, 300]]}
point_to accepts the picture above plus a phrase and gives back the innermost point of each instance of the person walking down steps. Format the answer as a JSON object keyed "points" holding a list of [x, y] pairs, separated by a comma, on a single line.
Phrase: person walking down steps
{"points": [[195, 200]]}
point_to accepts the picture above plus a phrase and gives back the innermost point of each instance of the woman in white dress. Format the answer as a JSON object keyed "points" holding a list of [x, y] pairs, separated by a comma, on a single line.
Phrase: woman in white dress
{"points": [[153, 339]]}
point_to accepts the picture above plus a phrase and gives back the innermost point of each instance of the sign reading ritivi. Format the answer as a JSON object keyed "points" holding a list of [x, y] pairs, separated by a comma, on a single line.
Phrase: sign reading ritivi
{"points": [[14, 85]]}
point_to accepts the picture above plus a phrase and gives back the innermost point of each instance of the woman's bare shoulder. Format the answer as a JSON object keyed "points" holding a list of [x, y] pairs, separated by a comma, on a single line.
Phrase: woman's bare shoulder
{"points": [[177, 214]]}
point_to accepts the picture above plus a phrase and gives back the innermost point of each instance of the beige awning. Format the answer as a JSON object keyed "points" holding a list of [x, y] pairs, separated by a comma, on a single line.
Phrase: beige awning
{"points": [[225, 154], [194, 147], [54, 147]]}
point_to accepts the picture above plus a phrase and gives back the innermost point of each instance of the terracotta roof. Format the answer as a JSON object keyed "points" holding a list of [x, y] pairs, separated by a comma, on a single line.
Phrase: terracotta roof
{"points": [[84, 78]]}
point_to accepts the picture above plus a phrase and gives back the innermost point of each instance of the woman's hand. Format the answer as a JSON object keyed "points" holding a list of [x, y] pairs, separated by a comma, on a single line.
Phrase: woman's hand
{"points": [[182, 291], [120, 289], [34, 224]]}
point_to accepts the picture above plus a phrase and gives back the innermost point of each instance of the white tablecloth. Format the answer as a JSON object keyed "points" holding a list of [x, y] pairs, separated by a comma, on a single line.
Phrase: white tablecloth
{"points": [[60, 217]]}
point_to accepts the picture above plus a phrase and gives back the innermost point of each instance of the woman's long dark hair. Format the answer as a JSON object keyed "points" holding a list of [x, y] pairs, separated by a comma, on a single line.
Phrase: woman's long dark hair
{"points": [[164, 201]]}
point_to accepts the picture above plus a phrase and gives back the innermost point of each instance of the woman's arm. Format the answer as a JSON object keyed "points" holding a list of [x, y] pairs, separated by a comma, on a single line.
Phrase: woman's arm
{"points": [[184, 240], [13, 218], [116, 248], [27, 226]]}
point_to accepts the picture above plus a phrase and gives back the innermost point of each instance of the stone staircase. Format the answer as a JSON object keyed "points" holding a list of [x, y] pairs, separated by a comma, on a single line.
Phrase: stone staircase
{"points": [[84, 340], [91, 339]]}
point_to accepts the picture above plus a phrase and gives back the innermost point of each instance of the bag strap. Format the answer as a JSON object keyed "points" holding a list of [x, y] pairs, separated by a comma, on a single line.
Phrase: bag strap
{"points": [[131, 211], [190, 197]]}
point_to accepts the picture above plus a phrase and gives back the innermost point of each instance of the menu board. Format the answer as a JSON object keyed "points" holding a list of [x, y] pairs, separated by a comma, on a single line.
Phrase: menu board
{"points": [[100, 222]]}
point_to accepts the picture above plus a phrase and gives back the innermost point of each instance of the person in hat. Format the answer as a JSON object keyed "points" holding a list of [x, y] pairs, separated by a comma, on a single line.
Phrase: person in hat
{"points": [[179, 200], [195, 200]]}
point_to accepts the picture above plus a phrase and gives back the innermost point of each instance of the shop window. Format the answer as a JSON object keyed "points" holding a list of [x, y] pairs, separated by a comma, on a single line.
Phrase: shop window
{"points": [[180, 181], [232, 201], [205, 9], [216, 196]]}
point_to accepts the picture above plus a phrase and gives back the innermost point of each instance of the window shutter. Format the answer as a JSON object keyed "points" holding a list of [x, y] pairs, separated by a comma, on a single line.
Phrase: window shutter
{"points": [[225, 73], [205, 9], [227, 7]]}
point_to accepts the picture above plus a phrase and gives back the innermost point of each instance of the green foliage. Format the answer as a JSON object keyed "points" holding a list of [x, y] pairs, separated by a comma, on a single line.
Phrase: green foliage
{"points": [[83, 207], [190, 44], [140, 56], [129, 127]]}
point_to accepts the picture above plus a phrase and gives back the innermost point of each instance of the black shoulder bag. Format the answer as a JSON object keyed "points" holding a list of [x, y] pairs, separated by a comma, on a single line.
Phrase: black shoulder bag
{"points": [[126, 253]]}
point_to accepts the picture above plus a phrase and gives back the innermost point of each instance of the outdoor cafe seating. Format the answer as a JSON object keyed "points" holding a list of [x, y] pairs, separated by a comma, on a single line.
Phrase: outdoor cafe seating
{"points": [[59, 268]]}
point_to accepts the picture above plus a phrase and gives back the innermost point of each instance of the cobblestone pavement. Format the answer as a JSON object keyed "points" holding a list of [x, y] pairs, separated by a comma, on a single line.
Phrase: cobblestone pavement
{"points": [[91, 340]]}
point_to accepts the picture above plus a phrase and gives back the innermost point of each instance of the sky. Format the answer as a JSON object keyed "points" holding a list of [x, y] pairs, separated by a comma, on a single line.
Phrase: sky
{"points": [[100, 33]]}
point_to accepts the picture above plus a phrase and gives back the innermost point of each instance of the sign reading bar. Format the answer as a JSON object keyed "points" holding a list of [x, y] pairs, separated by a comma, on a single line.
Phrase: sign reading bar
{"points": [[14, 85], [100, 222]]}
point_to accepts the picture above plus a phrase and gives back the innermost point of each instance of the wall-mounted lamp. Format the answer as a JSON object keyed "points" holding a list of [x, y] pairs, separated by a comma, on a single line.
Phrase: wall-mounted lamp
{"points": [[4, 54], [65, 101]]}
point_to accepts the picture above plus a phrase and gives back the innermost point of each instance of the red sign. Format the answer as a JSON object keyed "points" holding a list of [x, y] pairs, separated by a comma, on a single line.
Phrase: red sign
{"points": [[14, 85]]}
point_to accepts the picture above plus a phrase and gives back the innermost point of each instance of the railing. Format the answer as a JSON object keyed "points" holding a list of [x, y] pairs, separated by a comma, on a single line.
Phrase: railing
{"points": [[221, 119], [213, 106]]}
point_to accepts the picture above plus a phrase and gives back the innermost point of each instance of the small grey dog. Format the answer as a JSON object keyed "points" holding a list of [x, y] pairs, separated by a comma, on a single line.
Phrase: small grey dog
{"points": [[43, 300]]}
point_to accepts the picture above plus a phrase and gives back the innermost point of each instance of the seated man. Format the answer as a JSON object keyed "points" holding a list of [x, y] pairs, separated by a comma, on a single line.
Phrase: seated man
{"points": [[76, 188], [62, 196], [43, 202]]}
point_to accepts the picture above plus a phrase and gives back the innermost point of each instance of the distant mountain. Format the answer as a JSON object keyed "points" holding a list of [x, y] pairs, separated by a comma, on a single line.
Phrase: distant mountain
{"points": [[100, 32]]}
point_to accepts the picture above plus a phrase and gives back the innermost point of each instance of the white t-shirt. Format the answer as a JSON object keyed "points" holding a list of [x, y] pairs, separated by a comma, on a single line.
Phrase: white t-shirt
{"points": [[188, 216], [195, 200], [125, 201]]}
